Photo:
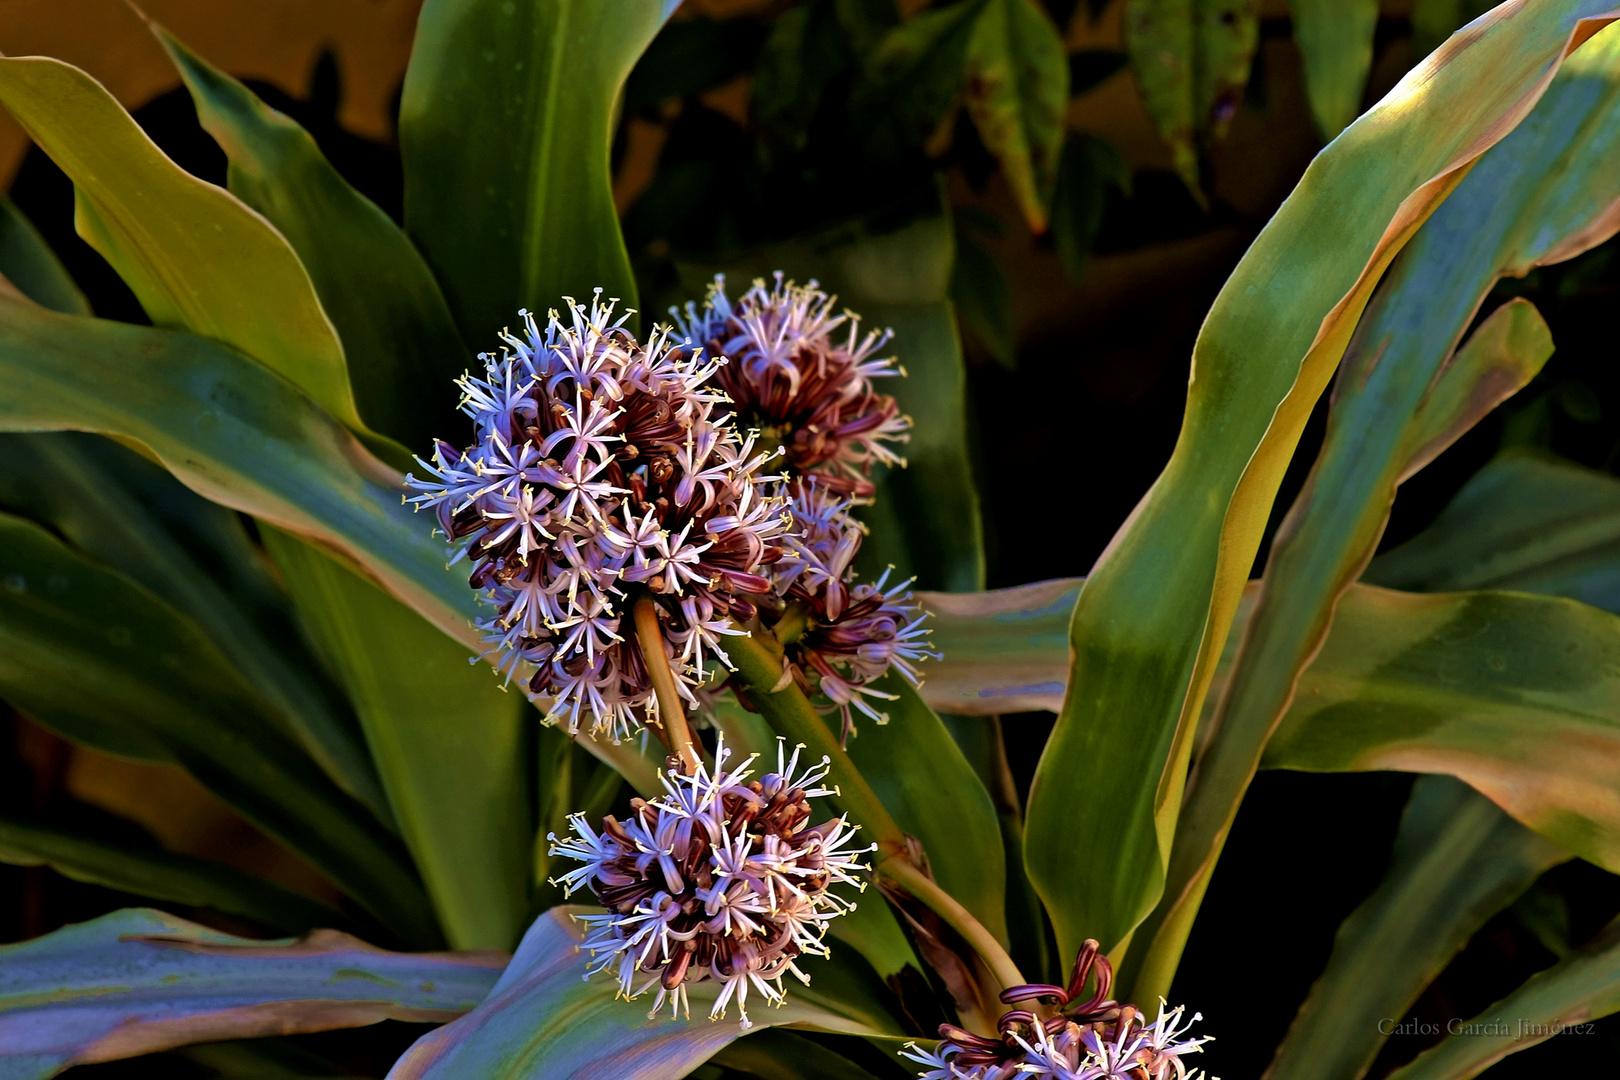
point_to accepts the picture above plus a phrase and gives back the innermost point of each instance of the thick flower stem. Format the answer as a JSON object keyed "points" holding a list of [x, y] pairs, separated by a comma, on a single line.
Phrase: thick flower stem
{"points": [[790, 714], [670, 711], [958, 918]]}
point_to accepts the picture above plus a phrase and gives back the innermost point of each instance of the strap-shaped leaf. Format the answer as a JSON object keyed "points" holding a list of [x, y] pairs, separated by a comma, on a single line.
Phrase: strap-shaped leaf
{"points": [[505, 126], [1577, 990], [1525, 521], [543, 1020], [82, 641], [30, 265], [923, 779], [193, 254], [448, 742], [129, 514], [138, 981], [1458, 860], [161, 875], [1002, 651], [1152, 620], [1516, 694], [402, 347]]}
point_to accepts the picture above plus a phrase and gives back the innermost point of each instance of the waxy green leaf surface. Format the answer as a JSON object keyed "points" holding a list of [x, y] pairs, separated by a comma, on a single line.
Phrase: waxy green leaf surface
{"points": [[1152, 620], [1515, 694], [194, 255], [447, 738], [137, 981], [505, 127], [543, 1020], [1547, 192], [402, 347]]}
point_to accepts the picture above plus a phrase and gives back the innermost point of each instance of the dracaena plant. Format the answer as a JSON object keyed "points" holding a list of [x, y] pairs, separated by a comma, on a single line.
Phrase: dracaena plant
{"points": [[669, 544]]}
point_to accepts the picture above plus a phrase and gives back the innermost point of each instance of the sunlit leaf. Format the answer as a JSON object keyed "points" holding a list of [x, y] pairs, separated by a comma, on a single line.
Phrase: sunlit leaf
{"points": [[1151, 622], [138, 981], [83, 643], [1544, 194], [505, 126], [194, 255], [1515, 694], [448, 742], [543, 1020], [161, 875], [402, 347], [1458, 860]]}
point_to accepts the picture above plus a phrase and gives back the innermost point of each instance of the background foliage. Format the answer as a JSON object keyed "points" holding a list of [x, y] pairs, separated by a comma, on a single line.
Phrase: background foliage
{"points": [[962, 176]]}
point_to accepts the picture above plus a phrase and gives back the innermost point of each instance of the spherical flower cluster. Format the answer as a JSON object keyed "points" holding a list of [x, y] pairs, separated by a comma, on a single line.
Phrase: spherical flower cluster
{"points": [[803, 376], [603, 472], [1092, 1039], [722, 878], [841, 635]]}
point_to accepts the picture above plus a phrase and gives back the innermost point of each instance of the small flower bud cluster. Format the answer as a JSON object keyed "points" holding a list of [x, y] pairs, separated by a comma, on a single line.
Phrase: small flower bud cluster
{"points": [[723, 878], [803, 376], [603, 471], [1092, 1039], [853, 633]]}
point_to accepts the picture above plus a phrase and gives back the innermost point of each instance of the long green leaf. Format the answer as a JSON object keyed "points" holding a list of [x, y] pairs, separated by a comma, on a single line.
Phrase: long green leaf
{"points": [[505, 126], [1326, 539], [920, 774], [1525, 521], [1336, 39], [138, 981], [1544, 194], [161, 875], [129, 514], [233, 432], [194, 255], [1564, 998], [83, 641], [1514, 694], [1152, 620], [1003, 651], [447, 740], [29, 264], [402, 347], [543, 1020], [1458, 860]]}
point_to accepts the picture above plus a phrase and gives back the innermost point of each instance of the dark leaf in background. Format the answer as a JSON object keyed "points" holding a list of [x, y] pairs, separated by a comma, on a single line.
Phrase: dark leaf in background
{"points": [[1089, 170], [689, 56], [912, 78], [983, 298], [1090, 68]]}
